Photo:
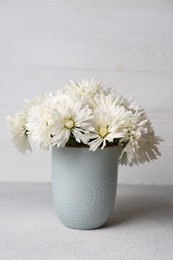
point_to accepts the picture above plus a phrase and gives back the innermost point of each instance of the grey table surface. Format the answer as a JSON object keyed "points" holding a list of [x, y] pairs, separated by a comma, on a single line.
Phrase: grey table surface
{"points": [[141, 226]]}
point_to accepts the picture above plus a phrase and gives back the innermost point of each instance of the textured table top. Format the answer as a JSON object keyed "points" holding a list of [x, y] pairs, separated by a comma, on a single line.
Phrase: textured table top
{"points": [[141, 226]]}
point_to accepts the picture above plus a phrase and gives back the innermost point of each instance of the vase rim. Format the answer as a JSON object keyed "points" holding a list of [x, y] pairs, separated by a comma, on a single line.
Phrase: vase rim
{"points": [[87, 146]]}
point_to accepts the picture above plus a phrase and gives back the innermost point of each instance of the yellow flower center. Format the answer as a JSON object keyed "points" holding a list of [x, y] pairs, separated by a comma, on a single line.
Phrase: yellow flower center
{"points": [[103, 131], [69, 123]]}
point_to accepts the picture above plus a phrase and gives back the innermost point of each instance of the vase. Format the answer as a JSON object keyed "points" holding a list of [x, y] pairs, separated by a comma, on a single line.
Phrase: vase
{"points": [[84, 185]]}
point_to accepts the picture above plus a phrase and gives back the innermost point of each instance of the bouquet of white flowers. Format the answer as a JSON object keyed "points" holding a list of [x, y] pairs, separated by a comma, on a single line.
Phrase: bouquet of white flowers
{"points": [[85, 113]]}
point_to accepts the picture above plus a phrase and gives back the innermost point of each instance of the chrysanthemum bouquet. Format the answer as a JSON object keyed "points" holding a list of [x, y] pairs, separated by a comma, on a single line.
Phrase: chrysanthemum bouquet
{"points": [[85, 113]]}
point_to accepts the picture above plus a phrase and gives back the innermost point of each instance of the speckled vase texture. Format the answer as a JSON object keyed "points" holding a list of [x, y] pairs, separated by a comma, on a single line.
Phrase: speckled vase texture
{"points": [[84, 185]]}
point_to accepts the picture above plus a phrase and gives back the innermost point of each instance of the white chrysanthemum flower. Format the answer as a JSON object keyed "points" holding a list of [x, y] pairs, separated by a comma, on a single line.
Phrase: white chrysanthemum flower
{"points": [[40, 122], [108, 121], [73, 119], [104, 100], [139, 140], [17, 130], [18, 125], [85, 88]]}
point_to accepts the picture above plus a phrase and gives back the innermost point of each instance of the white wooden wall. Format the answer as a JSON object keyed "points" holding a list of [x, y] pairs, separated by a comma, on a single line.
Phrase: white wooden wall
{"points": [[126, 43]]}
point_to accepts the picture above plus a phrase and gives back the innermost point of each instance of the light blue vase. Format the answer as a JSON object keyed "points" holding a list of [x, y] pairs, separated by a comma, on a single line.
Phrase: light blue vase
{"points": [[84, 185]]}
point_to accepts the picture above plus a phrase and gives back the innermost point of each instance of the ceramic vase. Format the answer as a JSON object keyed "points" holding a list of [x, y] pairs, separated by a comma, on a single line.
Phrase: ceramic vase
{"points": [[84, 185]]}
